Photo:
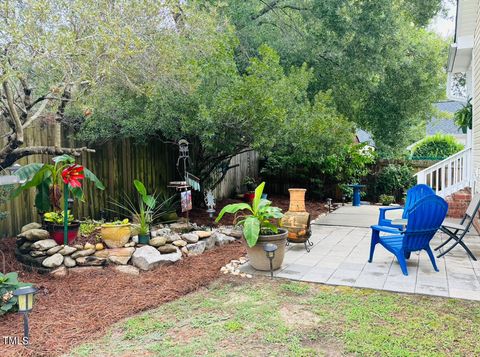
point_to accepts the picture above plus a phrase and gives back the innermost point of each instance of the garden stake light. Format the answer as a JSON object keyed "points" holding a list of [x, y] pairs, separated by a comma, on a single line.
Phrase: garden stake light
{"points": [[25, 304], [270, 249]]}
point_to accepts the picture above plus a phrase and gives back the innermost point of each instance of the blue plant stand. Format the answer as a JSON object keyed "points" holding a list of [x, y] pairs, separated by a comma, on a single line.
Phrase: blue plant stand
{"points": [[356, 194]]}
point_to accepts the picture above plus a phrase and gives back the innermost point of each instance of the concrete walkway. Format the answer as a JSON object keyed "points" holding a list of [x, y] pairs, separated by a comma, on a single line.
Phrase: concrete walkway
{"points": [[340, 253]]}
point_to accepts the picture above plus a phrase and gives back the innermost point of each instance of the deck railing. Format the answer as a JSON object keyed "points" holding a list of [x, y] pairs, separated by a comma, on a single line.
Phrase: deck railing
{"points": [[449, 175]]}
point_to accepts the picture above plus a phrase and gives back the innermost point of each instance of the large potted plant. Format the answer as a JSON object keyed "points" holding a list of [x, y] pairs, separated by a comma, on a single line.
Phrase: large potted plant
{"points": [[62, 179], [260, 226]]}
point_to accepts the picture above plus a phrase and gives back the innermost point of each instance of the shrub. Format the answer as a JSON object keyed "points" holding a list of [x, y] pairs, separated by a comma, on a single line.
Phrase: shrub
{"points": [[393, 180], [438, 147], [8, 284], [386, 200]]}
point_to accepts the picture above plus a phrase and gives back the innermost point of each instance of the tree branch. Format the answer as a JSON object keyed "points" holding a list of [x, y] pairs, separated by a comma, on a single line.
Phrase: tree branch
{"points": [[17, 154]]}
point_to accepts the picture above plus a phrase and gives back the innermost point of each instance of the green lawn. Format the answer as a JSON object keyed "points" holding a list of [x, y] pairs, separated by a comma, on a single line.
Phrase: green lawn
{"points": [[260, 317]]}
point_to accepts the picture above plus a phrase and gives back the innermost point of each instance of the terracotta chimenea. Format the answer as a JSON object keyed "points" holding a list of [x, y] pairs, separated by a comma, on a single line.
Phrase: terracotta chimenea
{"points": [[297, 219]]}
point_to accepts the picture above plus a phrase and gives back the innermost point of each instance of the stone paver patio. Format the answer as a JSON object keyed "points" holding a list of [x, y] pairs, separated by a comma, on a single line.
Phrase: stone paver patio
{"points": [[340, 253]]}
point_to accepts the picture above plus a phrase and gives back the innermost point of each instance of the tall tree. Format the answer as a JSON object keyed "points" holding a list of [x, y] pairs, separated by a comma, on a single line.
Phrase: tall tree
{"points": [[384, 69], [52, 51]]}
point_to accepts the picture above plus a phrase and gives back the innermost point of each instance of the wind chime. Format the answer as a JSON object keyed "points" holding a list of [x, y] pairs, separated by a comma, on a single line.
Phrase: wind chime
{"points": [[189, 182]]}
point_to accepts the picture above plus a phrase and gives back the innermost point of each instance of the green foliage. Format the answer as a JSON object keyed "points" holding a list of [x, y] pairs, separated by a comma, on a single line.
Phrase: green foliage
{"points": [[463, 117], [57, 217], [5, 194], [394, 180], [47, 180], [146, 210], [384, 68], [386, 200], [8, 284], [437, 147], [259, 220]]}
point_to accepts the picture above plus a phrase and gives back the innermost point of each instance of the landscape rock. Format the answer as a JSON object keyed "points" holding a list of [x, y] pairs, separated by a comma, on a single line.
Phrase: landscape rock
{"points": [[54, 250], [135, 239], [25, 247], [83, 253], [146, 257], [99, 246], [172, 237], [78, 246], [153, 234], [180, 243], [203, 234], [163, 231], [209, 242], [88, 246], [196, 248], [170, 258], [127, 269], [33, 225], [37, 253], [67, 250], [181, 227], [232, 232], [116, 255], [158, 241], [69, 262], [184, 251], [90, 260], [190, 237], [222, 239], [130, 244], [60, 272], [54, 261], [35, 234], [44, 244], [86, 269], [167, 248]]}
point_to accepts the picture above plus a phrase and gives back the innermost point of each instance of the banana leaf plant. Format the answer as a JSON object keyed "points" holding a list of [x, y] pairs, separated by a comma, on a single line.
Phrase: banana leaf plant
{"points": [[260, 216], [49, 178]]}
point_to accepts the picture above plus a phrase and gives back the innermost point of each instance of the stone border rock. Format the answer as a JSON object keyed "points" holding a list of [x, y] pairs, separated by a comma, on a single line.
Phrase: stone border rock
{"points": [[169, 244]]}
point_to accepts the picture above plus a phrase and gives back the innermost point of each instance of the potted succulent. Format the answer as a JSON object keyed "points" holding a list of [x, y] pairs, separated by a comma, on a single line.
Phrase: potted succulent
{"points": [[260, 226], [116, 234], [54, 224]]}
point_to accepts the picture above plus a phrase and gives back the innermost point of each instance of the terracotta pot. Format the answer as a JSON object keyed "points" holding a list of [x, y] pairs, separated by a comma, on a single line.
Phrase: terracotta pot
{"points": [[297, 220], [258, 258], [297, 200], [56, 231], [116, 236]]}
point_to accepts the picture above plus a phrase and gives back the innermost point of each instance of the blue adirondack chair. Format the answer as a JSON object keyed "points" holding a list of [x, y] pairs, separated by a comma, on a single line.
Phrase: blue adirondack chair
{"points": [[424, 219], [413, 195]]}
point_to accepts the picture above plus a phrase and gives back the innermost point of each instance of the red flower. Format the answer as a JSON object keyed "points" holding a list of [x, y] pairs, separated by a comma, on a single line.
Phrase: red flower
{"points": [[72, 174]]}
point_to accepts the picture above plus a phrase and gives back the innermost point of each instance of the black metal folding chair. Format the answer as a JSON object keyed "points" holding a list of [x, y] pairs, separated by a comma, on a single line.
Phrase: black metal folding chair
{"points": [[457, 232]]}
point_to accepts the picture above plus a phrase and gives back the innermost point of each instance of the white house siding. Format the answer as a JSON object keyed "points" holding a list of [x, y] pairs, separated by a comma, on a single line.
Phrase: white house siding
{"points": [[476, 100]]}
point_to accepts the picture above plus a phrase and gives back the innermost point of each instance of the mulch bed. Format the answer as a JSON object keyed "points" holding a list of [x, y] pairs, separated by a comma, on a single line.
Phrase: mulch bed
{"points": [[81, 307]]}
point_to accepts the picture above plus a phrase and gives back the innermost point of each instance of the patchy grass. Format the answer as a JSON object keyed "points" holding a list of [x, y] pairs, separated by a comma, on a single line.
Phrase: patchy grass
{"points": [[261, 317]]}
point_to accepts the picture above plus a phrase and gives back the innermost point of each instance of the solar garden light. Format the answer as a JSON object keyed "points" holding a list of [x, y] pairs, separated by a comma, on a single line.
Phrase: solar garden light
{"points": [[329, 203], [270, 249], [25, 305]]}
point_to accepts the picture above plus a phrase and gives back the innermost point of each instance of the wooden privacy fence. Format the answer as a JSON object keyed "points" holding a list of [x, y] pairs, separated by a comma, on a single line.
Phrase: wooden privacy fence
{"points": [[116, 164]]}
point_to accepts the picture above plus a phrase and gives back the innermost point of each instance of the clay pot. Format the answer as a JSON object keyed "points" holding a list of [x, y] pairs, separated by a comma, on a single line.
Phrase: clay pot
{"points": [[116, 236], [257, 256], [56, 231]]}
